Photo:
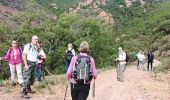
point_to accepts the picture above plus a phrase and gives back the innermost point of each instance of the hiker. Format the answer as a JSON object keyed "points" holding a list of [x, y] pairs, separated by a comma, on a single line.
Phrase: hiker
{"points": [[137, 58], [121, 64], [141, 58], [150, 56], [14, 56], [30, 57], [70, 52], [41, 61], [82, 73]]}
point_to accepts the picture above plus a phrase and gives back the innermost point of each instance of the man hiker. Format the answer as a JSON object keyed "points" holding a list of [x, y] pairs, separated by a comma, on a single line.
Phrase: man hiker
{"points": [[70, 52], [150, 56], [30, 57], [121, 64], [82, 70]]}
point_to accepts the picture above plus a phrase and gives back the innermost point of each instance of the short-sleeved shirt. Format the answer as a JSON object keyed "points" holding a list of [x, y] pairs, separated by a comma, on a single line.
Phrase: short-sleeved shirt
{"points": [[31, 52]]}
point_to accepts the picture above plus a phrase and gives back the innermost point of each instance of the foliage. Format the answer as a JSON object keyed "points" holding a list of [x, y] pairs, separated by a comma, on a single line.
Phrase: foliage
{"points": [[58, 6]]}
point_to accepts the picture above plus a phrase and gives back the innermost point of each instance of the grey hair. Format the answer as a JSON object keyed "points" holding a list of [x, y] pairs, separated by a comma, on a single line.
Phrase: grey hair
{"points": [[84, 47], [35, 36]]}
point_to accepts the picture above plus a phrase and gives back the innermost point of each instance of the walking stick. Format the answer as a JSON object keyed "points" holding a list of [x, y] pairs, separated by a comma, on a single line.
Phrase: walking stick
{"points": [[46, 82], [93, 90], [66, 91]]}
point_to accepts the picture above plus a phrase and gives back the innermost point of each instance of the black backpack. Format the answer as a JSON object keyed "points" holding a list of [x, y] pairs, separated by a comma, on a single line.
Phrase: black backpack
{"points": [[127, 58], [82, 71], [69, 55]]}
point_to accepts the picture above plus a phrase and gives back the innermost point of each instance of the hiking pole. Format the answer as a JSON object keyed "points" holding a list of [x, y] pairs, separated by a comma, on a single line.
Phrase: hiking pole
{"points": [[66, 91], [93, 90], [46, 82]]}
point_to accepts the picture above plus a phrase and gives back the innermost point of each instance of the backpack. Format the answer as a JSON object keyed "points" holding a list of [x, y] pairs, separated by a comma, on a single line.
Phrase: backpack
{"points": [[19, 51], [127, 58], [82, 71], [150, 56], [69, 55]]}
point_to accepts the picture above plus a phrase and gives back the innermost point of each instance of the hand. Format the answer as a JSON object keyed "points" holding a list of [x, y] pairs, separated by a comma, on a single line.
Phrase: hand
{"points": [[116, 59], [26, 67], [0, 58]]}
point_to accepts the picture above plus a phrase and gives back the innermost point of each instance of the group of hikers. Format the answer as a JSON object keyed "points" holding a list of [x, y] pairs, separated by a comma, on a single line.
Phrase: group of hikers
{"points": [[141, 60], [123, 59], [80, 68], [33, 58]]}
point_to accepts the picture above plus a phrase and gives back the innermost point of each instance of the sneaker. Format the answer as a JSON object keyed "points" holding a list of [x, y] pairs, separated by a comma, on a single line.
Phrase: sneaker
{"points": [[13, 84], [25, 96]]}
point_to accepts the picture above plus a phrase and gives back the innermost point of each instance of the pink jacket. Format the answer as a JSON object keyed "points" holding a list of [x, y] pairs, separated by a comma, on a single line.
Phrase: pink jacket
{"points": [[72, 63], [10, 56]]}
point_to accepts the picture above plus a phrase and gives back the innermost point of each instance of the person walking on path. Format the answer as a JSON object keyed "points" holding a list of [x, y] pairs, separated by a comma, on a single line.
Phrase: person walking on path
{"points": [[121, 64], [141, 58], [14, 56], [30, 57], [137, 58], [150, 56], [81, 71], [41, 61], [70, 52]]}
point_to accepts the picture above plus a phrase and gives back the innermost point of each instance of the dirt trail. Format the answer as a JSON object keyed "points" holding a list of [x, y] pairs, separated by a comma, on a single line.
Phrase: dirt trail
{"points": [[138, 85]]}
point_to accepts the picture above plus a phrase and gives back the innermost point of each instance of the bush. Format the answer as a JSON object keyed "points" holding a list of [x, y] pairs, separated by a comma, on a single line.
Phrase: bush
{"points": [[165, 66]]}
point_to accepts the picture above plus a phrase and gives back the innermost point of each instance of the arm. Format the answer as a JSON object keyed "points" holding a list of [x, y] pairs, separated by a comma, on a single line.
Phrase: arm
{"points": [[6, 57], [24, 55], [73, 51], [93, 68]]}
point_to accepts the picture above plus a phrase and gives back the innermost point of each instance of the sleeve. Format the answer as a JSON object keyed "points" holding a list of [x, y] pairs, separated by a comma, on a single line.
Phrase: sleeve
{"points": [[42, 52], [6, 57], [69, 71], [93, 68], [73, 51], [26, 49]]}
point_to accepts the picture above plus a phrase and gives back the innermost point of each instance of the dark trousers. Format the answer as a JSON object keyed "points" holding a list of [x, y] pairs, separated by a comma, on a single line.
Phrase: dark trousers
{"points": [[137, 64], [149, 63], [79, 92], [39, 71]]}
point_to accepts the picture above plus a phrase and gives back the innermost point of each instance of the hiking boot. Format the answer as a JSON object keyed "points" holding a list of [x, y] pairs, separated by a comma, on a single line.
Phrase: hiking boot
{"points": [[24, 94], [29, 90], [13, 83]]}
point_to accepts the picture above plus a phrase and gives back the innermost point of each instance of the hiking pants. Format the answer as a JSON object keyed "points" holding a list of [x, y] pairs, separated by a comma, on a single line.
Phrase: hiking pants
{"points": [[141, 64], [120, 71], [29, 75], [137, 64], [16, 68], [39, 71], [149, 63], [80, 92]]}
